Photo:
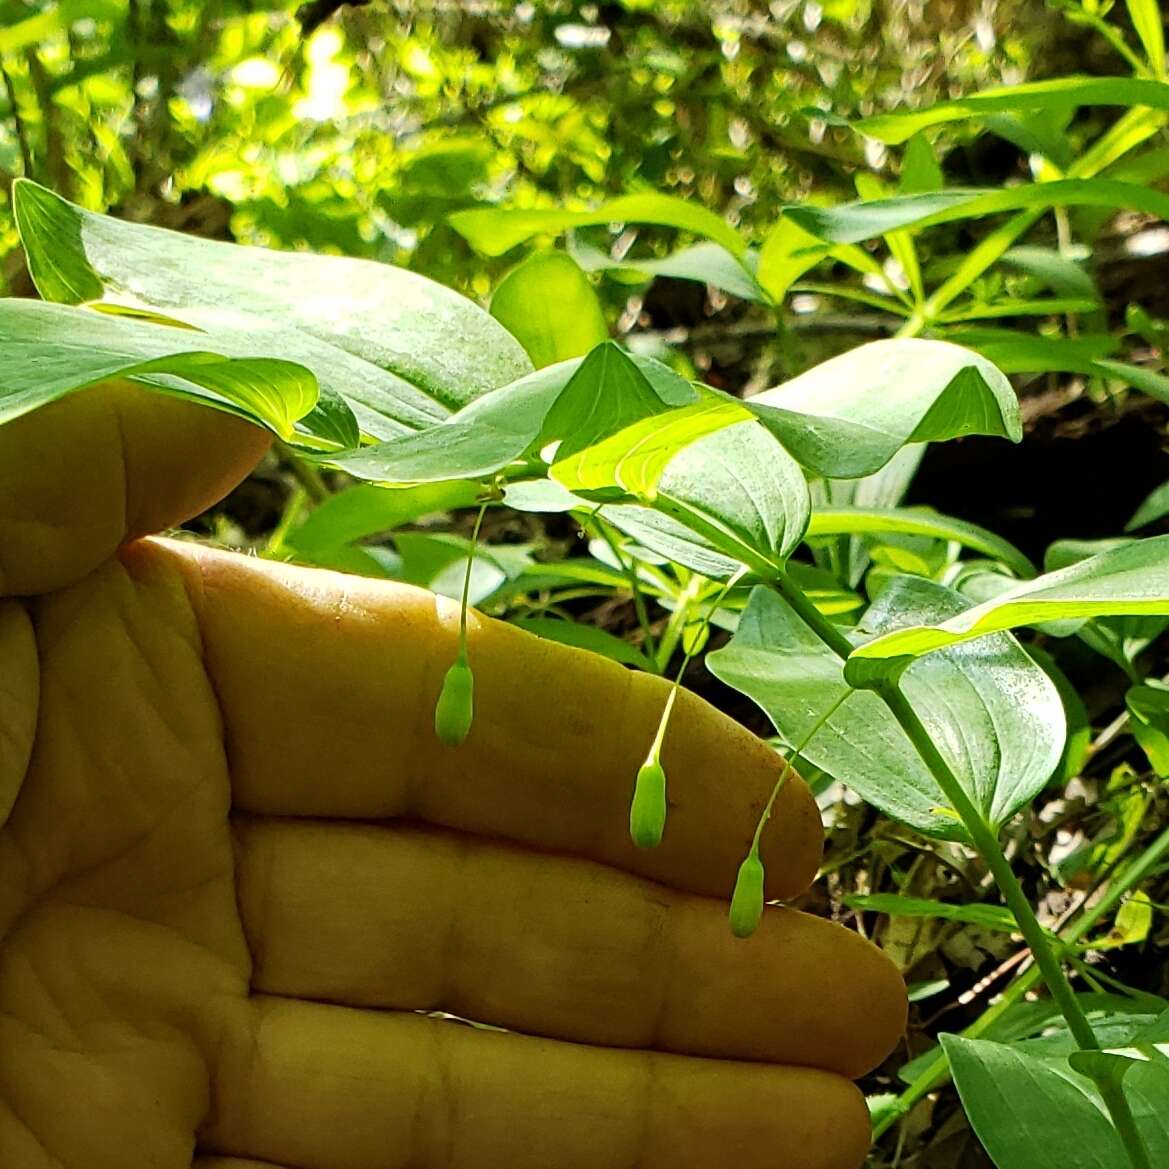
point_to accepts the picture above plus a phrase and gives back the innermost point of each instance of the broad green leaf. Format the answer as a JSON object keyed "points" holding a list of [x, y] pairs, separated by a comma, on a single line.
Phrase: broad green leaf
{"points": [[589, 637], [787, 253], [605, 394], [920, 172], [633, 458], [1062, 91], [567, 400], [1132, 580], [918, 522], [732, 499], [673, 539], [51, 350], [365, 510], [1028, 1112], [1061, 274], [494, 231], [401, 350], [991, 917], [1155, 506], [549, 306], [850, 415], [707, 263], [856, 222], [881, 490], [993, 713], [1148, 710], [1147, 19], [741, 492], [1017, 352]]}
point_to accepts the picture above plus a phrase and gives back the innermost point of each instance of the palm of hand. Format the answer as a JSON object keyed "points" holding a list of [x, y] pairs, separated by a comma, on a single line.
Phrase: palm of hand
{"points": [[239, 869]]}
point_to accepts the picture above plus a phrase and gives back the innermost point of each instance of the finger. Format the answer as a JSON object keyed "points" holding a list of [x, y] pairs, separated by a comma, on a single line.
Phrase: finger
{"points": [[83, 475], [328, 685], [19, 688], [426, 920], [233, 1163], [324, 1087]]}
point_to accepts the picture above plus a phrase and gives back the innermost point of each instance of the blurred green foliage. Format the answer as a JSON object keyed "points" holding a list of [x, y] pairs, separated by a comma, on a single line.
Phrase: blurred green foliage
{"points": [[223, 118]]}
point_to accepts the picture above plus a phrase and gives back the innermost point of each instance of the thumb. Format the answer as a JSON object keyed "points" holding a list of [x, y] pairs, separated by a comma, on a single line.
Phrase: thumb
{"points": [[97, 468]]}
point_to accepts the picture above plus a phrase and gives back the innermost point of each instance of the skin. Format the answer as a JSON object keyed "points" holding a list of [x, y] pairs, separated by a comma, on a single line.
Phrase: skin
{"points": [[241, 879]]}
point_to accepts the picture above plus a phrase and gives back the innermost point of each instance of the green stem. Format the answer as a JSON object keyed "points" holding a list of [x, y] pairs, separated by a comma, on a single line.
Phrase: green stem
{"points": [[986, 842], [789, 765], [934, 1074], [309, 478], [1041, 944], [467, 579], [630, 571], [677, 623]]}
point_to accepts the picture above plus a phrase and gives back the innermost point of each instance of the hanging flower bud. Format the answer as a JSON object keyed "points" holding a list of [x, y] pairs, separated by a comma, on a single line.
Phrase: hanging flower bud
{"points": [[747, 900], [456, 704], [647, 812]]}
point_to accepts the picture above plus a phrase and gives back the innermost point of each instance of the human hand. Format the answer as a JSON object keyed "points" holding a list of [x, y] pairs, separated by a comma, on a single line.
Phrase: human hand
{"points": [[240, 868]]}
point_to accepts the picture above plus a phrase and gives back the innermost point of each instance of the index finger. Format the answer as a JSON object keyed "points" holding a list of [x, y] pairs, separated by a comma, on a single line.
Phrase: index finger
{"points": [[328, 684]]}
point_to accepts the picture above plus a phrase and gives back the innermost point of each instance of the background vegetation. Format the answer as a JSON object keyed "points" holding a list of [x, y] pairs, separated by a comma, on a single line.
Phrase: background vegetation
{"points": [[362, 132]]}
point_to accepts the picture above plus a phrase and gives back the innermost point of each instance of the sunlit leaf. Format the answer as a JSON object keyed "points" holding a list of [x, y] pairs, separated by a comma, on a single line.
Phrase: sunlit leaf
{"points": [[51, 350], [850, 415], [1131, 580], [549, 306], [494, 231], [401, 350], [1059, 92]]}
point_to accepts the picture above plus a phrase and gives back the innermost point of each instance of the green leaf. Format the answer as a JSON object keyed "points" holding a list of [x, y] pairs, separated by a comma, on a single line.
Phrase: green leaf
{"points": [[499, 427], [549, 306], [707, 263], [401, 350], [1062, 275], [673, 539], [991, 917], [366, 510], [856, 222], [1148, 710], [881, 490], [51, 350], [918, 522], [1060, 92], [920, 172], [589, 637], [787, 253], [1132, 580], [994, 714], [1028, 1112], [605, 394], [735, 499], [634, 457], [850, 415], [1155, 506], [494, 231], [1147, 20]]}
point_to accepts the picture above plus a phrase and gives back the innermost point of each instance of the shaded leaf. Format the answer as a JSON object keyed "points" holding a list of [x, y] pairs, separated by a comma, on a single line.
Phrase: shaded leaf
{"points": [[994, 714], [991, 917]]}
